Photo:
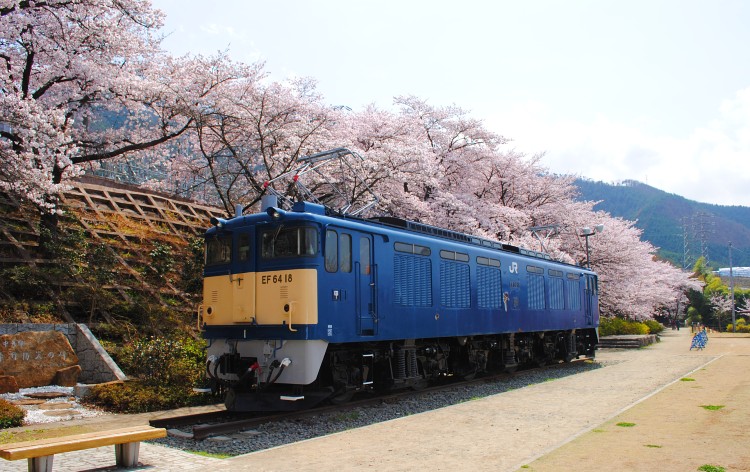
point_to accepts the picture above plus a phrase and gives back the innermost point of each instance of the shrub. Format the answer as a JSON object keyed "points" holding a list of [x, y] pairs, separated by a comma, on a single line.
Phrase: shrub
{"points": [[609, 326], [191, 275], [615, 325], [742, 326], [10, 415], [140, 397], [654, 327], [164, 361], [162, 259], [165, 369], [23, 282]]}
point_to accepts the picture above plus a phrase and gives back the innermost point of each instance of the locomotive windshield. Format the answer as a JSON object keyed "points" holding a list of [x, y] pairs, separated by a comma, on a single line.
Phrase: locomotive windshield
{"points": [[289, 242]]}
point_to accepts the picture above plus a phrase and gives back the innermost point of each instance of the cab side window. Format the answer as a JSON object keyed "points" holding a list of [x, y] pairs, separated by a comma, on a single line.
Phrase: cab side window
{"points": [[332, 251], [345, 253], [364, 255]]}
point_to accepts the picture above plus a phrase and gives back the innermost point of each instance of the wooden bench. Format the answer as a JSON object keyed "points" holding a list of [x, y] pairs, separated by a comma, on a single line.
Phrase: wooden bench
{"points": [[41, 452]]}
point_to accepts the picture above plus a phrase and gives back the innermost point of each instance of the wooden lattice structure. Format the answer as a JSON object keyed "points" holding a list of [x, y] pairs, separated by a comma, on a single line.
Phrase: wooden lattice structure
{"points": [[128, 220]]}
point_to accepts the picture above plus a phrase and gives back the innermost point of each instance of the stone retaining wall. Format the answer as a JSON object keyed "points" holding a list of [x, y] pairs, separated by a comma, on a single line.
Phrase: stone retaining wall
{"points": [[627, 341], [96, 365]]}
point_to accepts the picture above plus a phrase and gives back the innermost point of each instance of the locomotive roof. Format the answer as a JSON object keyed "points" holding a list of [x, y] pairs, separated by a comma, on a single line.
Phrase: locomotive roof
{"points": [[406, 225], [417, 227], [454, 235]]}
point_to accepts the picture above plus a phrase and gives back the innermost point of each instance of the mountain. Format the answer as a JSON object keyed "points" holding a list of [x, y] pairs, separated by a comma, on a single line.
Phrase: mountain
{"points": [[682, 229]]}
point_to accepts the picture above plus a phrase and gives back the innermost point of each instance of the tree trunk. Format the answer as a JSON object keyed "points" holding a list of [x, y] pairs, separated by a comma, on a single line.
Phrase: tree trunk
{"points": [[49, 220]]}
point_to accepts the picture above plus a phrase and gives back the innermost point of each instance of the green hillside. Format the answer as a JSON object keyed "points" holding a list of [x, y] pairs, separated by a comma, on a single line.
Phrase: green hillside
{"points": [[671, 222]]}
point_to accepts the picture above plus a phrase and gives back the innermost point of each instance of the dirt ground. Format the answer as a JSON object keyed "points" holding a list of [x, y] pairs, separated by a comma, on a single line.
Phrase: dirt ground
{"points": [[674, 430]]}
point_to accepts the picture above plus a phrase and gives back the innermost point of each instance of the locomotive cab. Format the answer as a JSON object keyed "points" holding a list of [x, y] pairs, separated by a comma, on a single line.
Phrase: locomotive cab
{"points": [[260, 304]]}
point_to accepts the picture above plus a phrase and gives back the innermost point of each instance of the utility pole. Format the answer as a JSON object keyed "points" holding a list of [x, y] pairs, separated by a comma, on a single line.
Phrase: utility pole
{"points": [[587, 233], [686, 262], [731, 288]]}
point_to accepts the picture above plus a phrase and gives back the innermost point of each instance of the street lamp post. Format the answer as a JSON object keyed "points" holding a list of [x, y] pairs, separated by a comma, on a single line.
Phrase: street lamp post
{"points": [[731, 289], [587, 233]]}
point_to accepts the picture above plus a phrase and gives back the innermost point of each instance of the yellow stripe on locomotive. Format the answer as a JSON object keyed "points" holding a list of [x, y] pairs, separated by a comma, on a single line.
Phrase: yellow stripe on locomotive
{"points": [[264, 298]]}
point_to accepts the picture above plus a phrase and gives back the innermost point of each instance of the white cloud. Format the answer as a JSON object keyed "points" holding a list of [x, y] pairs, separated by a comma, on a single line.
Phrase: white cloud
{"points": [[711, 165]]}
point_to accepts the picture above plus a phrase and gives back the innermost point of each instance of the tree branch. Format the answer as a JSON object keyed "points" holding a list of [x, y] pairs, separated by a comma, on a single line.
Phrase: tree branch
{"points": [[129, 148]]}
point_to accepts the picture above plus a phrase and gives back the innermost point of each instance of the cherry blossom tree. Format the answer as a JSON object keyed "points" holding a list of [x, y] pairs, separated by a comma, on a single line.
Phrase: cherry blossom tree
{"points": [[254, 132], [85, 81], [64, 65], [722, 307], [633, 282]]}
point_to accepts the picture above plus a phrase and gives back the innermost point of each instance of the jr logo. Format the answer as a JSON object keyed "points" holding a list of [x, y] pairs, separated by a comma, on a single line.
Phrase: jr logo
{"points": [[513, 267]]}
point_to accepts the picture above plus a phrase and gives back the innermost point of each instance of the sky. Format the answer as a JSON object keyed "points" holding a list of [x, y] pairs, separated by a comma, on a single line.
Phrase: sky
{"points": [[656, 91]]}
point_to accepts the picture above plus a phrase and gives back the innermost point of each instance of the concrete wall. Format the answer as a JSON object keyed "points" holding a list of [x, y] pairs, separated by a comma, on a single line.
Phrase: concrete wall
{"points": [[96, 365]]}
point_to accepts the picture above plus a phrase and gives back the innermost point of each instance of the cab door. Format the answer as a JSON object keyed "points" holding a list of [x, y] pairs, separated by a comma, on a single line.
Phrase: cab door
{"points": [[590, 298], [242, 278], [366, 287]]}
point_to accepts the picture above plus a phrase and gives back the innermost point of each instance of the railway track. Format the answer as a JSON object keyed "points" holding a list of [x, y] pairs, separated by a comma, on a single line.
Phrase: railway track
{"points": [[205, 425]]}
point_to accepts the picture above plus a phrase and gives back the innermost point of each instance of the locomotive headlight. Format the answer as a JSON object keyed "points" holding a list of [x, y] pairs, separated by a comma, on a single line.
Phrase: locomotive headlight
{"points": [[274, 213], [218, 222]]}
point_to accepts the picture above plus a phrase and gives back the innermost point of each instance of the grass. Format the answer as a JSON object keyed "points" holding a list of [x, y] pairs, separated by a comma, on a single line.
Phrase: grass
{"points": [[211, 454], [711, 468], [471, 399], [626, 425], [654, 446], [712, 407], [687, 379], [350, 416]]}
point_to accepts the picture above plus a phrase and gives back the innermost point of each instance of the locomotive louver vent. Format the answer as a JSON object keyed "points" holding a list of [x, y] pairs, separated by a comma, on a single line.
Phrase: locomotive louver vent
{"points": [[284, 292], [214, 296]]}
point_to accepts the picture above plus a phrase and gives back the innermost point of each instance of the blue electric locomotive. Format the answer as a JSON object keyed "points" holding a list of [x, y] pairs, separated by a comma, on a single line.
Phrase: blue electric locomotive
{"points": [[306, 305]]}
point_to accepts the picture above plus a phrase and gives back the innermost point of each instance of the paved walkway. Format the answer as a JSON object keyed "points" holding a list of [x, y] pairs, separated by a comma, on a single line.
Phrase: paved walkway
{"points": [[500, 433]]}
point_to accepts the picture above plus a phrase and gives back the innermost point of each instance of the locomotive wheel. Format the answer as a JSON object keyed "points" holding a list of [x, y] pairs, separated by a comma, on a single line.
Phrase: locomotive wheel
{"points": [[470, 376], [341, 397]]}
